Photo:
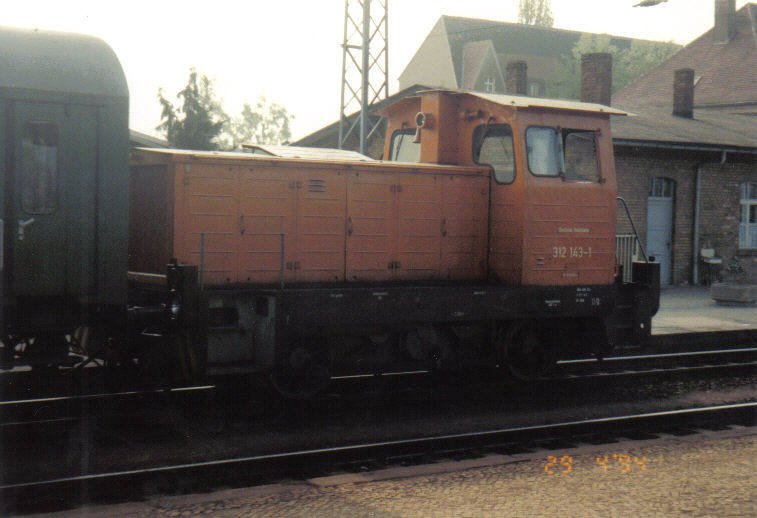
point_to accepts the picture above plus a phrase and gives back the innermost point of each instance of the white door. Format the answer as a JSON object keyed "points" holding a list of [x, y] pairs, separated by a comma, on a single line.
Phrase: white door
{"points": [[660, 225]]}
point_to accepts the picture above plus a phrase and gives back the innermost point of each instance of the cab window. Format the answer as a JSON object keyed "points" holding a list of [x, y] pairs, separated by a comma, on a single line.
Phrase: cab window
{"points": [[39, 168], [544, 151], [568, 153], [493, 146], [581, 156], [403, 149]]}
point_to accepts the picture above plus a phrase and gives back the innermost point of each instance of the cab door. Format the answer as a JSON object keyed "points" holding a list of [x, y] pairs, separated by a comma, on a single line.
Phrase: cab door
{"points": [[53, 223]]}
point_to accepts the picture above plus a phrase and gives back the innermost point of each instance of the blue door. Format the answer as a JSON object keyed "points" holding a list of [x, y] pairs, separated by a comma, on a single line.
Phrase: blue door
{"points": [[660, 225]]}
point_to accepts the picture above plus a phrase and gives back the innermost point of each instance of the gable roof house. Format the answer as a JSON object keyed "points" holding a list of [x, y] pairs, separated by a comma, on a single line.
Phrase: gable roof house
{"points": [[473, 54]]}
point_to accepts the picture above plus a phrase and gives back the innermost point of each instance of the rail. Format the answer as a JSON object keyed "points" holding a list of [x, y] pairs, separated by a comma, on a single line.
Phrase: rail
{"points": [[210, 474]]}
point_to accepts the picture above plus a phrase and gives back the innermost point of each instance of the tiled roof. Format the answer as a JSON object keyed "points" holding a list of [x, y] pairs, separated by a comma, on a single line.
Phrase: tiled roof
{"points": [[709, 127], [727, 72]]}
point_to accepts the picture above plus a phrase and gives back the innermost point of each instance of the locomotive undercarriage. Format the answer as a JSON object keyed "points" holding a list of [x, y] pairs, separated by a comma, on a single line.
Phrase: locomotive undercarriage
{"points": [[524, 350], [306, 337]]}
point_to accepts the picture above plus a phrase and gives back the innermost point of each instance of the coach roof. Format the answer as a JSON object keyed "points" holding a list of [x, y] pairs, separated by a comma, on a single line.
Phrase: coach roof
{"points": [[49, 61]]}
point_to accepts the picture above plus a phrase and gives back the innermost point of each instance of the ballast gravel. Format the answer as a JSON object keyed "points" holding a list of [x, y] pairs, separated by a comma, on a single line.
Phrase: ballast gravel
{"points": [[703, 475]]}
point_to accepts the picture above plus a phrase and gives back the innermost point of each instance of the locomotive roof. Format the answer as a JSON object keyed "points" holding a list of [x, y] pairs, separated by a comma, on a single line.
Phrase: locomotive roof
{"points": [[315, 153], [522, 101], [163, 155], [50, 61]]}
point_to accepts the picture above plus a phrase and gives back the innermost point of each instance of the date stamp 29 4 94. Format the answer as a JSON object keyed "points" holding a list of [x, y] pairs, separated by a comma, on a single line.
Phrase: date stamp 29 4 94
{"points": [[618, 462]]}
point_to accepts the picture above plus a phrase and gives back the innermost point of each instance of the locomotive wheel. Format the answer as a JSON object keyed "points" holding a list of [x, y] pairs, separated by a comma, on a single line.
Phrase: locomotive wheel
{"points": [[304, 371], [525, 355]]}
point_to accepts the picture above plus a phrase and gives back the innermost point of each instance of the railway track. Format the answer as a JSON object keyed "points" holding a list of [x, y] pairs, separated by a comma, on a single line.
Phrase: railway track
{"points": [[47, 416], [60, 410], [256, 469], [640, 364], [59, 420]]}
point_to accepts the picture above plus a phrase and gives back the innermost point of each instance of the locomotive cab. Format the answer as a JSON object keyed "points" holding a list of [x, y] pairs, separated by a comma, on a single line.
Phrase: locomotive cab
{"points": [[552, 189]]}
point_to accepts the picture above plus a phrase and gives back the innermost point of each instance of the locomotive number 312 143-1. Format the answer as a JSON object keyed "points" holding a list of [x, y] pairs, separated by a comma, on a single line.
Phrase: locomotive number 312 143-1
{"points": [[578, 252]]}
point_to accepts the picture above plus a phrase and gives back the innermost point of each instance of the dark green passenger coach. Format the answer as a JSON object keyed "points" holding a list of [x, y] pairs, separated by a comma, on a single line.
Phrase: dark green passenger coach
{"points": [[63, 167]]}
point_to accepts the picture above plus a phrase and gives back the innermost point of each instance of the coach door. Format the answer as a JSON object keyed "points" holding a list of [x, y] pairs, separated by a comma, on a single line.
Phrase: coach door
{"points": [[660, 224], [54, 207]]}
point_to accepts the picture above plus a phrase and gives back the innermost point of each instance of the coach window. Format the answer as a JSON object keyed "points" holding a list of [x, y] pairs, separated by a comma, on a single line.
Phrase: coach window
{"points": [[544, 151], [493, 146], [580, 156], [39, 168], [404, 148]]}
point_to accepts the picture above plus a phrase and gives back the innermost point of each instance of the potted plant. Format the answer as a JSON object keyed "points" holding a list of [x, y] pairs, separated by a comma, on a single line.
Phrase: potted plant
{"points": [[735, 290]]}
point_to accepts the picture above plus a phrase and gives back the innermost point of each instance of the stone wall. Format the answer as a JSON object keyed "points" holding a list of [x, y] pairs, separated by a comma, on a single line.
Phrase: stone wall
{"points": [[719, 201], [720, 209]]}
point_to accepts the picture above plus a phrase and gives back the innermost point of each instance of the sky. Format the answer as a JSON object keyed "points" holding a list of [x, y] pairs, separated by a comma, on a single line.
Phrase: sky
{"points": [[290, 50]]}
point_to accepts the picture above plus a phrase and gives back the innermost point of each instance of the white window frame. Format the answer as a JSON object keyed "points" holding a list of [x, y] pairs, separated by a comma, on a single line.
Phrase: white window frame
{"points": [[747, 230]]}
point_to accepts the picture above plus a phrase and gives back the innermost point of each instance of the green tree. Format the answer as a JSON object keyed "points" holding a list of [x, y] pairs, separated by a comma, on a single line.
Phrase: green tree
{"points": [[198, 121], [535, 12], [627, 64], [266, 123]]}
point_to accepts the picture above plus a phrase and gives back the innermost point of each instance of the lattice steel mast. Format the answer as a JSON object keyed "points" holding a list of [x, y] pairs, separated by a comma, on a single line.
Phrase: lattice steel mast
{"points": [[365, 66]]}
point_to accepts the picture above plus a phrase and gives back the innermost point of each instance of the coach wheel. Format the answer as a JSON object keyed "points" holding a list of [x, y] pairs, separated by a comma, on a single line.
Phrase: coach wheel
{"points": [[526, 356], [304, 370], [176, 360], [189, 357]]}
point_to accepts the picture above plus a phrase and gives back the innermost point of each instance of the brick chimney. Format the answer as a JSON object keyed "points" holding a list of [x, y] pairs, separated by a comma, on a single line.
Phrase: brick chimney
{"points": [[516, 78], [596, 78], [725, 21], [683, 93]]}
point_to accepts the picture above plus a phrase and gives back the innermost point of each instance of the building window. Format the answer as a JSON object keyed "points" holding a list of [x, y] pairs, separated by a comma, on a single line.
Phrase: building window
{"points": [[748, 221], [493, 146], [39, 168], [661, 187], [490, 85]]}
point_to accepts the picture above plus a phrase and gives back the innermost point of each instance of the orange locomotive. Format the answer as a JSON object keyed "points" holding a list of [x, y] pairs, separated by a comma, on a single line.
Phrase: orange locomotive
{"points": [[486, 236]]}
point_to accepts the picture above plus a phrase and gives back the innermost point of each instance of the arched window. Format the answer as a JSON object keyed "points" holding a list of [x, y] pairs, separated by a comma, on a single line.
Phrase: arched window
{"points": [[748, 221], [661, 187]]}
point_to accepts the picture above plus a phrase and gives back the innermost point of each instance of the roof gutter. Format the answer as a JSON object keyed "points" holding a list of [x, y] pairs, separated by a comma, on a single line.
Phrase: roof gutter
{"points": [[688, 147]]}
